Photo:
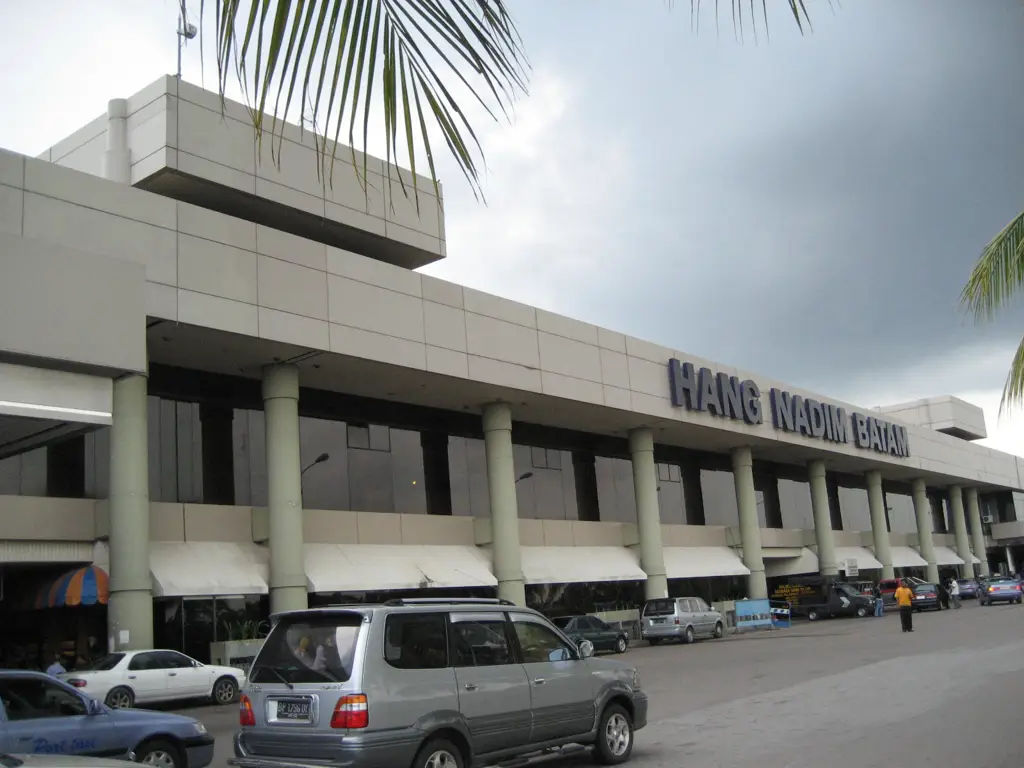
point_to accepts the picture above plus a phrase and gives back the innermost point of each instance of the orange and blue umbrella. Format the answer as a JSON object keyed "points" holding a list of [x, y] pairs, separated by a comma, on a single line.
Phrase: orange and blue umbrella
{"points": [[89, 585]]}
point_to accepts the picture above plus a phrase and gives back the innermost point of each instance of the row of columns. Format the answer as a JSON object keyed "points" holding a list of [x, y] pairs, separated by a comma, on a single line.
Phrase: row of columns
{"points": [[131, 605]]}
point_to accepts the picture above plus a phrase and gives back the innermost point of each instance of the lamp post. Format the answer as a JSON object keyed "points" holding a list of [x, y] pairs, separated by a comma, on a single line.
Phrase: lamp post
{"points": [[524, 476], [318, 460]]}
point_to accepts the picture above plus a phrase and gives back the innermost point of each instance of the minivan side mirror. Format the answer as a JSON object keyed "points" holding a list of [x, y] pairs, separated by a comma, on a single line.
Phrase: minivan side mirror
{"points": [[586, 649]]}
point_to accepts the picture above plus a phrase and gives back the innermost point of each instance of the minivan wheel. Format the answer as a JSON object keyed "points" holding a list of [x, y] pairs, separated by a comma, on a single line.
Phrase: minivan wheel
{"points": [[688, 637], [862, 612], [438, 753], [812, 615], [719, 631], [620, 645], [614, 736]]}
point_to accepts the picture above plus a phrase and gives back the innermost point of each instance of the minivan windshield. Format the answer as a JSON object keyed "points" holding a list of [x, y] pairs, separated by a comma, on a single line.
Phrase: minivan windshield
{"points": [[309, 649], [660, 607]]}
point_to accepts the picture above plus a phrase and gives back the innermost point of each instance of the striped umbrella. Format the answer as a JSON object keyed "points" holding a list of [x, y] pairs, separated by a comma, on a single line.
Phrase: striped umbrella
{"points": [[83, 586]]}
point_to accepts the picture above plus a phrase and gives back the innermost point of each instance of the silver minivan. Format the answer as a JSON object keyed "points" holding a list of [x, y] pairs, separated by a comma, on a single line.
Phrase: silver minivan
{"points": [[680, 618], [430, 684]]}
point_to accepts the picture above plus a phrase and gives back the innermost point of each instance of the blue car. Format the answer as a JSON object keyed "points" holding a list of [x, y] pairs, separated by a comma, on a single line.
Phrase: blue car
{"points": [[45, 716], [1003, 590]]}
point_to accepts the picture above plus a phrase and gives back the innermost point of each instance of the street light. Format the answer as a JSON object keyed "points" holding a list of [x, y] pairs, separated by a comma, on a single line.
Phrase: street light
{"points": [[524, 476], [318, 460]]}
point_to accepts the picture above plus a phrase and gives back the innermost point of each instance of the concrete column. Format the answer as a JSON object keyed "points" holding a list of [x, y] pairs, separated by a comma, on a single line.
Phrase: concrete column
{"points": [[750, 527], [879, 528], [963, 543], [648, 513], [501, 488], [130, 610], [1011, 567], [827, 564], [288, 591], [117, 159], [923, 513], [977, 532]]}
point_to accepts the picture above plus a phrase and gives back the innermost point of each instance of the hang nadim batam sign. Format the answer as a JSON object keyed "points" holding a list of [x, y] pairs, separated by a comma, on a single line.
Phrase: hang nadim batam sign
{"points": [[725, 396]]}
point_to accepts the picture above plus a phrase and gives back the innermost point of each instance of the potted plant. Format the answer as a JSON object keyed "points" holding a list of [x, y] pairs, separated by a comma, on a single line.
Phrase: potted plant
{"points": [[243, 640]]}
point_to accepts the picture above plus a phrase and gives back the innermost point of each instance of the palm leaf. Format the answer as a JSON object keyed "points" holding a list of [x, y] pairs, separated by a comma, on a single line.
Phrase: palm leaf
{"points": [[343, 59], [996, 278]]}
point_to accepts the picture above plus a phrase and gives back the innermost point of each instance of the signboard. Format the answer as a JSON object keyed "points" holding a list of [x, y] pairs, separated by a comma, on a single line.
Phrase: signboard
{"points": [[751, 614], [725, 396], [851, 568]]}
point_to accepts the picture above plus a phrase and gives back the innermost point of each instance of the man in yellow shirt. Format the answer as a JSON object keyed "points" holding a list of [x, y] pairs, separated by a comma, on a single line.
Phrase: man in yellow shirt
{"points": [[905, 601]]}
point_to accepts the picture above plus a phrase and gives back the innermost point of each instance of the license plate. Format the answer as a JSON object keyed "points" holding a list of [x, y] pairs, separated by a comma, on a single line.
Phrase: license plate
{"points": [[293, 710], [657, 621]]}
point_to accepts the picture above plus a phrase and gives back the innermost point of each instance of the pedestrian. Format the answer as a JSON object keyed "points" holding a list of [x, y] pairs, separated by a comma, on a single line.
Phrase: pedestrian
{"points": [[943, 595], [879, 601], [954, 593], [905, 600], [56, 668]]}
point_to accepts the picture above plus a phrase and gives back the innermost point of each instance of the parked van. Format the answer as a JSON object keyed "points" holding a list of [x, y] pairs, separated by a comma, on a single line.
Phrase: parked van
{"points": [[427, 683], [680, 618]]}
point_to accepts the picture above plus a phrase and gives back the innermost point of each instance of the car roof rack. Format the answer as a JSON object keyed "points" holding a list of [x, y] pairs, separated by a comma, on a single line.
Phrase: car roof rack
{"points": [[447, 601]]}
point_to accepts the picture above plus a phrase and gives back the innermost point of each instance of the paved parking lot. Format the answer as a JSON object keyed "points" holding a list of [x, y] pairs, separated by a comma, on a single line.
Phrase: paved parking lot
{"points": [[847, 693]]}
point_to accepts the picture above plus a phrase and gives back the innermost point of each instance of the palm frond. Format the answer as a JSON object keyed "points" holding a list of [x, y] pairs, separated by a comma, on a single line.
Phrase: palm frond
{"points": [[1013, 389], [346, 59], [999, 273]]}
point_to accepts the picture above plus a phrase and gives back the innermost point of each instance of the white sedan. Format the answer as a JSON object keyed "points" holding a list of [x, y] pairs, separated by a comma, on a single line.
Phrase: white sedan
{"points": [[127, 678]]}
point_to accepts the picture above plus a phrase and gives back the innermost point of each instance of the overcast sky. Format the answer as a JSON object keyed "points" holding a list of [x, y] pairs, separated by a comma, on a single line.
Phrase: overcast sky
{"points": [[808, 208]]}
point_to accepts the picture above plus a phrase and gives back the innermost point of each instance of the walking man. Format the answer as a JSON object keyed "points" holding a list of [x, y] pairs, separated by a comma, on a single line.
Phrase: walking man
{"points": [[905, 600], [879, 602], [954, 593]]}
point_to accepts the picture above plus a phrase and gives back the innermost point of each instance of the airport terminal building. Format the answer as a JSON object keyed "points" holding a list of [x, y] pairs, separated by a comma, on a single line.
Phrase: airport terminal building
{"points": [[225, 390]]}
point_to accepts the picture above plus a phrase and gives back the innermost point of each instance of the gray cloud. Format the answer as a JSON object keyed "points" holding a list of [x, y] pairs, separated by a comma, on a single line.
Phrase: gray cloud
{"points": [[808, 208]]}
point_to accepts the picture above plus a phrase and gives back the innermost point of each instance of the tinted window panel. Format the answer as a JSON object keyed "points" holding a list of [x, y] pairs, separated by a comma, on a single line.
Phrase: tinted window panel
{"points": [[416, 641], [479, 644]]}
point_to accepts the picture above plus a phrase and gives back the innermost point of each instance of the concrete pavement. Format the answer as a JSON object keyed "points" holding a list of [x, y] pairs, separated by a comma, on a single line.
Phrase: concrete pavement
{"points": [[848, 693]]}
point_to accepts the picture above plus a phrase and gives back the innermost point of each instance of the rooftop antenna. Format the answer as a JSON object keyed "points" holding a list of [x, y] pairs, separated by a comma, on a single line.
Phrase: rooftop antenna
{"points": [[186, 31]]}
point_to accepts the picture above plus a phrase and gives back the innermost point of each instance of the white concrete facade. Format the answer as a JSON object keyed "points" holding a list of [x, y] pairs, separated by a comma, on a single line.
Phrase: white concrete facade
{"points": [[225, 292]]}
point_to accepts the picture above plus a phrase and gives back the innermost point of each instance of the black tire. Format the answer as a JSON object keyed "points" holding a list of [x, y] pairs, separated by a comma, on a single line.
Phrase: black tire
{"points": [[689, 636], [621, 645], [439, 753], [614, 742], [862, 612], [813, 615], [160, 754], [719, 631], [120, 697], [654, 640], [224, 690]]}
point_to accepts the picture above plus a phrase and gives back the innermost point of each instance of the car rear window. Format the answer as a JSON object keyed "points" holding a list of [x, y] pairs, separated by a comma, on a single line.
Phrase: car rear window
{"points": [[660, 608], [105, 663], [562, 621], [924, 588], [309, 649]]}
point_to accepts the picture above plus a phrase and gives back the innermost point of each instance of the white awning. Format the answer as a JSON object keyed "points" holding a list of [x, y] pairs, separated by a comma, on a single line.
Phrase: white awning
{"points": [[862, 556], [579, 565], [975, 558], [375, 567], [946, 556], [699, 562], [907, 557], [806, 563], [776, 553], [201, 568]]}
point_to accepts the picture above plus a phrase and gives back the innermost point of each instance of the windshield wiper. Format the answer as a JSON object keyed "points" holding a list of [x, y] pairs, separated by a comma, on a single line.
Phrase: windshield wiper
{"points": [[9, 761], [280, 676]]}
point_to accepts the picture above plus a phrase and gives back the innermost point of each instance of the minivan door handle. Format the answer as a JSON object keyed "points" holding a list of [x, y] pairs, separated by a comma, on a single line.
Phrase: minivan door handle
{"points": [[539, 681], [470, 686]]}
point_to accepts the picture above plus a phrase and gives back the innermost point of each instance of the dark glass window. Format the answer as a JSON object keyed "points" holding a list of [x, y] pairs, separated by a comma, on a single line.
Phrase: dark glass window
{"points": [[479, 642], [416, 641], [615, 489]]}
